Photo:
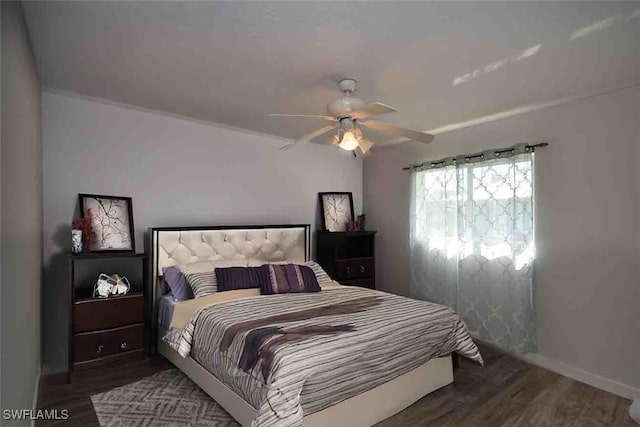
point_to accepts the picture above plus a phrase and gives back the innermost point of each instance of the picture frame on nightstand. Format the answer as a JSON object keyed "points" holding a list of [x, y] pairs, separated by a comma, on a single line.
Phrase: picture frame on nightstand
{"points": [[336, 210], [111, 221]]}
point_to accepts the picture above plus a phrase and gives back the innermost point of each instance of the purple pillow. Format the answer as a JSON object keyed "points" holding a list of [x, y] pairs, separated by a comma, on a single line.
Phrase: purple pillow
{"points": [[288, 278], [233, 278], [178, 284]]}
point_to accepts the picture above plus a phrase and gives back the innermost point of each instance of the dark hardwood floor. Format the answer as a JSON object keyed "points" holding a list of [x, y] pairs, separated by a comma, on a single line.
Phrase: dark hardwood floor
{"points": [[86, 382], [505, 392]]}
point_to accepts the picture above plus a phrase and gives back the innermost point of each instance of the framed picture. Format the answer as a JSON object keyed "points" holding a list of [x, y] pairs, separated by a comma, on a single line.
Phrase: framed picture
{"points": [[336, 210], [111, 221]]}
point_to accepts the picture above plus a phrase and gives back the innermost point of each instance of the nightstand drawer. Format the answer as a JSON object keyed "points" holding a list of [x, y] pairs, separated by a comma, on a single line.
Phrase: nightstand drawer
{"points": [[93, 345], [95, 314], [366, 282], [354, 268]]}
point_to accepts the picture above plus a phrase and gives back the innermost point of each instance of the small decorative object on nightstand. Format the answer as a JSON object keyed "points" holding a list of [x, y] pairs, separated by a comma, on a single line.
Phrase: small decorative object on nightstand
{"points": [[348, 256], [353, 226], [81, 231], [104, 329], [110, 285], [76, 241]]}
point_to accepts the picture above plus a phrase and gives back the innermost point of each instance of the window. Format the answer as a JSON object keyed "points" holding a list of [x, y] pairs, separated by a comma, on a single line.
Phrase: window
{"points": [[472, 245]]}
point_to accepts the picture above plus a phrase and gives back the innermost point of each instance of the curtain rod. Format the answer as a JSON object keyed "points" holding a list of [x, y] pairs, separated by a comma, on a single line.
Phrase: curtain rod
{"points": [[533, 146]]}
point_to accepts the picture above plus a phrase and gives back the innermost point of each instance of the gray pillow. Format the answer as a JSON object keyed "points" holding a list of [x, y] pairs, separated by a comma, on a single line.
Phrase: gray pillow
{"points": [[178, 283]]}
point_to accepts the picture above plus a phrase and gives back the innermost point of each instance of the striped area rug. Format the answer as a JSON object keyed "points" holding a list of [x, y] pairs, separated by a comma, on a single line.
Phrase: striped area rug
{"points": [[167, 399]]}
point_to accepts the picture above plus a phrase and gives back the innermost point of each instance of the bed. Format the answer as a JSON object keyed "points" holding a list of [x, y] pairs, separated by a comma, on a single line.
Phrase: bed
{"points": [[360, 375]]}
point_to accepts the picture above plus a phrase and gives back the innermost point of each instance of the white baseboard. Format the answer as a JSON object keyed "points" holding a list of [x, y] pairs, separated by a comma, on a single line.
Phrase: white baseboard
{"points": [[36, 391], [570, 371], [594, 380]]}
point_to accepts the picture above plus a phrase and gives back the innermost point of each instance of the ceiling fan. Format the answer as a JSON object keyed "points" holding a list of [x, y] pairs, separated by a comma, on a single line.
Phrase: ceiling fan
{"points": [[350, 113]]}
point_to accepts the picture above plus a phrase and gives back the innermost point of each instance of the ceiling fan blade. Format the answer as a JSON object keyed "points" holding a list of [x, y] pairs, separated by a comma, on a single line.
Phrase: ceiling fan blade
{"points": [[310, 136], [371, 110], [359, 153], [365, 146], [307, 116], [398, 131]]}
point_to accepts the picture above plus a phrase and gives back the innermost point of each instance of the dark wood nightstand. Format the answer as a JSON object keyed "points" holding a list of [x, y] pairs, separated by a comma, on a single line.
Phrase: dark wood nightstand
{"points": [[104, 329], [348, 256]]}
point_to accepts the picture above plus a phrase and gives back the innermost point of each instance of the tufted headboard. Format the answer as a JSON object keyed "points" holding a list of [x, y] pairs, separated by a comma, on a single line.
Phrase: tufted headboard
{"points": [[245, 245]]}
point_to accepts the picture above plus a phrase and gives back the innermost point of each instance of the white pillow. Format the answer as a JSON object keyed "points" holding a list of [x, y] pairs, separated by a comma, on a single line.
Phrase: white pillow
{"points": [[202, 275], [258, 263], [321, 275], [203, 284]]}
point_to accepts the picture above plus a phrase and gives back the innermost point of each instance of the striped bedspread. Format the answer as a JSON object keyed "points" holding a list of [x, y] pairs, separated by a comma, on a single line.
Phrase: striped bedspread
{"points": [[295, 354]]}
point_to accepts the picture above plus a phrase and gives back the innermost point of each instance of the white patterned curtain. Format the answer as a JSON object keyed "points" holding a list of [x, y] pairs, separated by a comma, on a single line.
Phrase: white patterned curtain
{"points": [[472, 246]]}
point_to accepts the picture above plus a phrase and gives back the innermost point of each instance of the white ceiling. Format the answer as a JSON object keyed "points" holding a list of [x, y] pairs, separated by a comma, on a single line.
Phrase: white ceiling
{"points": [[438, 63]]}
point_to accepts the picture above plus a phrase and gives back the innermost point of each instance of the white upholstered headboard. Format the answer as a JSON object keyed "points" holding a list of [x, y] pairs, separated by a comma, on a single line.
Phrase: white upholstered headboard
{"points": [[251, 246], [238, 245]]}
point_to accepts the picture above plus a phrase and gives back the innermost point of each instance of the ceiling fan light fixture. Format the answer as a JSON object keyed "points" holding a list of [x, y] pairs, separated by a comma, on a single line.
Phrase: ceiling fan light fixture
{"points": [[348, 142]]}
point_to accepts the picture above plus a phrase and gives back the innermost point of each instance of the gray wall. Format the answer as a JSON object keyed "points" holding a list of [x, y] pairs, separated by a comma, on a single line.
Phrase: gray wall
{"points": [[178, 172], [21, 214], [587, 233]]}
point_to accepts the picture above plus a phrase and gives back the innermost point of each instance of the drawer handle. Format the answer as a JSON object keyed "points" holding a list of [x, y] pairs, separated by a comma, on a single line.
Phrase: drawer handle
{"points": [[100, 348], [348, 270], [362, 269], [123, 345]]}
